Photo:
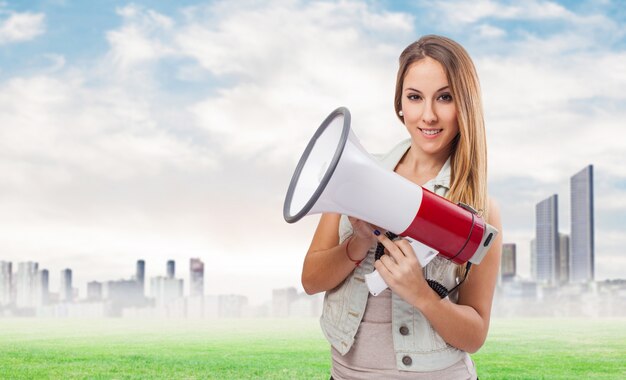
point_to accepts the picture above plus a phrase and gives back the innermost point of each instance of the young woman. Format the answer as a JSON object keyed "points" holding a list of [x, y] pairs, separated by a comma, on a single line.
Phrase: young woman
{"points": [[408, 331]]}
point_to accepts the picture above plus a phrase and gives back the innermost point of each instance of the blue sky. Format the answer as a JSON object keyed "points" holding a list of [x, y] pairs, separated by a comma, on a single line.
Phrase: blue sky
{"points": [[161, 130]]}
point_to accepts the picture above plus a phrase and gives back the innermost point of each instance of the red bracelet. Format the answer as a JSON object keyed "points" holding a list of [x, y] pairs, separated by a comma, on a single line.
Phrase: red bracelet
{"points": [[356, 262]]}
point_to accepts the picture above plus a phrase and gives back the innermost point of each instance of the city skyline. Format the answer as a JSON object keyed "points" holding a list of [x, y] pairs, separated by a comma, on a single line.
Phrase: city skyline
{"points": [[170, 130]]}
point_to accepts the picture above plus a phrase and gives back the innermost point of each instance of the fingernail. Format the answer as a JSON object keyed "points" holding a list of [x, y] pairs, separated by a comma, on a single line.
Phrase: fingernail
{"points": [[376, 232]]}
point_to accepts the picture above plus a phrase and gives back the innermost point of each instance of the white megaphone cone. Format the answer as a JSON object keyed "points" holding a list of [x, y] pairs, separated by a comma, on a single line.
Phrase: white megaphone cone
{"points": [[336, 174]]}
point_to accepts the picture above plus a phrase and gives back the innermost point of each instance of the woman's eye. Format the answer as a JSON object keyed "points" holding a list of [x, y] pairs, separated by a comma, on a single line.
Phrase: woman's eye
{"points": [[414, 97], [446, 97]]}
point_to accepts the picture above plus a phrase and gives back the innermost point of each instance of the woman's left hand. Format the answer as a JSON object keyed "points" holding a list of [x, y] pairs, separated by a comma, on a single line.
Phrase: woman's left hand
{"points": [[402, 272]]}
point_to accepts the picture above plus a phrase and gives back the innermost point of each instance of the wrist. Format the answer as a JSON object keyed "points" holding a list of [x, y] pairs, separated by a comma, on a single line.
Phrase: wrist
{"points": [[425, 299], [354, 250]]}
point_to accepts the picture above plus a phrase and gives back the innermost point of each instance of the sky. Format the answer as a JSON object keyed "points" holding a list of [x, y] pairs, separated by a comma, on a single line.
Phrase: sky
{"points": [[170, 130]]}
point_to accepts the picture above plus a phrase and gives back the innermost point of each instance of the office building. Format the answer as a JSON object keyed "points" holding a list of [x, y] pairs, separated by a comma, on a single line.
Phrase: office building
{"points": [[196, 277], [140, 275], [65, 290], [533, 259], [582, 251], [25, 280], [42, 287], [171, 269], [282, 300], [6, 283], [508, 262], [563, 275], [547, 227], [94, 291]]}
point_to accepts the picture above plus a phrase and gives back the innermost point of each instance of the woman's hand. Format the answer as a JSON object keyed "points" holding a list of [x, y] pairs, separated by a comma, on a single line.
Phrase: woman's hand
{"points": [[362, 238], [402, 272]]}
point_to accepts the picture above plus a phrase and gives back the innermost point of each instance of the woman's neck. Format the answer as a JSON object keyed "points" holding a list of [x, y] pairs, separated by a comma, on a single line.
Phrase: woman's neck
{"points": [[421, 166]]}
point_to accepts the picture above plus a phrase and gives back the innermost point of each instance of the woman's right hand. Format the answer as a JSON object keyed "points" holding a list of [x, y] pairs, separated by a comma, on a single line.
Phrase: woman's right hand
{"points": [[362, 236]]}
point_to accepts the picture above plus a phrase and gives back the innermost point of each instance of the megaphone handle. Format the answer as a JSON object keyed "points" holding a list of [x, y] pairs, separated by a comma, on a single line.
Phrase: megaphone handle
{"points": [[375, 283]]}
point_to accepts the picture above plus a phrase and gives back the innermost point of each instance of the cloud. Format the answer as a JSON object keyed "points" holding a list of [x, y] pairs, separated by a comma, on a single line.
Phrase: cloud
{"points": [[20, 27], [467, 12], [137, 41], [490, 31], [289, 66]]}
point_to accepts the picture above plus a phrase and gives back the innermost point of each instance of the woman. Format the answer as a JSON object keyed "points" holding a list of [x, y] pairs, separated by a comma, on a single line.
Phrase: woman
{"points": [[408, 331]]}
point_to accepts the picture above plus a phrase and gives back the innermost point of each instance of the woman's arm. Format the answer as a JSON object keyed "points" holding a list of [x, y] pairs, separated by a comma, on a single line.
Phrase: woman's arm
{"points": [[326, 264], [463, 325]]}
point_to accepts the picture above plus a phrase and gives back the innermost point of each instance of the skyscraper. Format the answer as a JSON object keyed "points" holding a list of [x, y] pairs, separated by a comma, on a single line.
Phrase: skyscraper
{"points": [[65, 290], [42, 290], [140, 276], [171, 269], [25, 284], [533, 259], [196, 277], [582, 255], [94, 291], [547, 235], [563, 276], [165, 290], [6, 281], [507, 264]]}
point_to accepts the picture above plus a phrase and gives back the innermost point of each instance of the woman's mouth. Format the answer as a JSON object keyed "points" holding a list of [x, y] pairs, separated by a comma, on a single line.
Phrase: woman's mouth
{"points": [[430, 132]]}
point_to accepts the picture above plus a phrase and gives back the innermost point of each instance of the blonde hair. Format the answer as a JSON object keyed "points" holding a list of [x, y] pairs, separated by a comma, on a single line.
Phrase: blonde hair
{"points": [[468, 183]]}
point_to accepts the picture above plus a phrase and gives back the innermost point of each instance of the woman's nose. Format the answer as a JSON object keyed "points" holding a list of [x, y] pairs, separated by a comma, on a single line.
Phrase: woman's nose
{"points": [[429, 116]]}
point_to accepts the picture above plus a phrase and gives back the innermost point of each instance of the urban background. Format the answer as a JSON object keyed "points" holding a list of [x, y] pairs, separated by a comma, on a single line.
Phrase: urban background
{"points": [[168, 131], [562, 282]]}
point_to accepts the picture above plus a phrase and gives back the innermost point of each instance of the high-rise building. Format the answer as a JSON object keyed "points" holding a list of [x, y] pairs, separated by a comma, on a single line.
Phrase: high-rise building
{"points": [[508, 263], [165, 290], [94, 291], [582, 255], [196, 277], [140, 275], [25, 284], [6, 281], [547, 235], [563, 275], [231, 305], [42, 287], [171, 269], [281, 301], [65, 290], [533, 259]]}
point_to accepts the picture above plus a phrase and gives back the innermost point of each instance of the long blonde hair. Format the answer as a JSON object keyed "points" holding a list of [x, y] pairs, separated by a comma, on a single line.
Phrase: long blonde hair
{"points": [[469, 151]]}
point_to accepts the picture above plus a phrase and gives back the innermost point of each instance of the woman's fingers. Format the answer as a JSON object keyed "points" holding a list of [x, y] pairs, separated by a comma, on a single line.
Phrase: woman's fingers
{"points": [[392, 248]]}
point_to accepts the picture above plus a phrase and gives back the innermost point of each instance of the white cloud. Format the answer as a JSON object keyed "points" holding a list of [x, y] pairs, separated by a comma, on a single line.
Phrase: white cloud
{"points": [[490, 31], [468, 11], [137, 41], [20, 27], [290, 66]]}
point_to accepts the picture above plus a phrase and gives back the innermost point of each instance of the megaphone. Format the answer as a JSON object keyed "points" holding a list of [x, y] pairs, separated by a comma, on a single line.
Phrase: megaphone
{"points": [[336, 174]]}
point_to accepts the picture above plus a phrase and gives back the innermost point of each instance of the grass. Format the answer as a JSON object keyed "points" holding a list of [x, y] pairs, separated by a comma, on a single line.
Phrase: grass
{"points": [[283, 349]]}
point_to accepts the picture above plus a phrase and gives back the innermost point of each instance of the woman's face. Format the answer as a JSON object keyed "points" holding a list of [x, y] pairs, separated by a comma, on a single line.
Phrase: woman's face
{"points": [[428, 107]]}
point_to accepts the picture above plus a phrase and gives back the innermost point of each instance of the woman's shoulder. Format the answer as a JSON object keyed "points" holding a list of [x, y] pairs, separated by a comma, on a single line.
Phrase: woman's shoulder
{"points": [[494, 209]]}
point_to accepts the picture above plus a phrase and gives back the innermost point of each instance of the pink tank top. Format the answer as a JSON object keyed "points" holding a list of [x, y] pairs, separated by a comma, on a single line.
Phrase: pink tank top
{"points": [[372, 356]]}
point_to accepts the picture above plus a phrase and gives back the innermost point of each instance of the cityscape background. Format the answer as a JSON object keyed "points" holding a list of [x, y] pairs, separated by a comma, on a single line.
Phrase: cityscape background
{"points": [[162, 131], [562, 281]]}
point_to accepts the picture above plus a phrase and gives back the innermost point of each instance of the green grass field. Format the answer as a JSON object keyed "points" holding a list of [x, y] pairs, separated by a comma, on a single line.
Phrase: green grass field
{"points": [[283, 349]]}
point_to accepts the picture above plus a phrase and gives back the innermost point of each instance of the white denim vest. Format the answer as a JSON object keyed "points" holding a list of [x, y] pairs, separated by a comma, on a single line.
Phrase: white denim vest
{"points": [[345, 305]]}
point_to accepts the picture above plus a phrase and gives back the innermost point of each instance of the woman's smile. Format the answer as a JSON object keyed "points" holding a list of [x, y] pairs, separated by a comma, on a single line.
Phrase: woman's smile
{"points": [[430, 133]]}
